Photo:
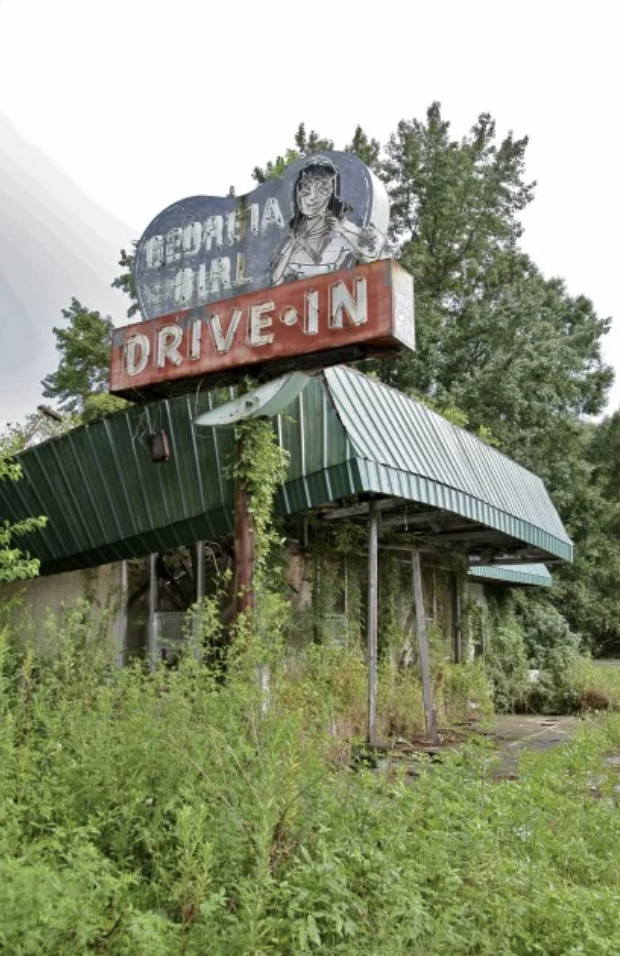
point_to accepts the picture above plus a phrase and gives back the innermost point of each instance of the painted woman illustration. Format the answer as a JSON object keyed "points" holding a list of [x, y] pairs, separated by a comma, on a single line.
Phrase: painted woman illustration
{"points": [[321, 238]]}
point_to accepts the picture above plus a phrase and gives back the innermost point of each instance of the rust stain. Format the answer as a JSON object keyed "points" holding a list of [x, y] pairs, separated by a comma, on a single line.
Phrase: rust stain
{"points": [[369, 307]]}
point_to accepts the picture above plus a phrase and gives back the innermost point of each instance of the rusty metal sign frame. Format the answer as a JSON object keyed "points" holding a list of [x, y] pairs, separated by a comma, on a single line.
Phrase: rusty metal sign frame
{"points": [[323, 320]]}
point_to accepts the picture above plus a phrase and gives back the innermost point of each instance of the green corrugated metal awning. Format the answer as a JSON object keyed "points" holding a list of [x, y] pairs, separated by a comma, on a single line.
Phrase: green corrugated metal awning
{"points": [[535, 574], [347, 434], [407, 448]]}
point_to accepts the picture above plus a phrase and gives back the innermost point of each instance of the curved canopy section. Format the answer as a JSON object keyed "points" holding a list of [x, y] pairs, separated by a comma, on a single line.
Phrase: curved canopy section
{"points": [[405, 444], [349, 438], [536, 575]]}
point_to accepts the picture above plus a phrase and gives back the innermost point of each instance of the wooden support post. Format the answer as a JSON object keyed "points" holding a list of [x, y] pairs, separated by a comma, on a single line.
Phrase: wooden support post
{"points": [[244, 545], [122, 614], [371, 619], [152, 635], [418, 594]]}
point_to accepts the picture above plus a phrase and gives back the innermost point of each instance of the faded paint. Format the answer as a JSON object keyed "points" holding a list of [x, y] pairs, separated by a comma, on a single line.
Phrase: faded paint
{"points": [[324, 213], [365, 311]]}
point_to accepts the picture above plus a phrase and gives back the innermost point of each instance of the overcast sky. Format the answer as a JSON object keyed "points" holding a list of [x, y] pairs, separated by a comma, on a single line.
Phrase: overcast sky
{"points": [[138, 103]]}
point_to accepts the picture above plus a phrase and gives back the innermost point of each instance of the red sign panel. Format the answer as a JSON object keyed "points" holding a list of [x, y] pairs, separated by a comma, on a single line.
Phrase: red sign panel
{"points": [[337, 317]]}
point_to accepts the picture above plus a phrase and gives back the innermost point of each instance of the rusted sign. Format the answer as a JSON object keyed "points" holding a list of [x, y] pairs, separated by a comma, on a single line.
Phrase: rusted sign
{"points": [[326, 212], [313, 322]]}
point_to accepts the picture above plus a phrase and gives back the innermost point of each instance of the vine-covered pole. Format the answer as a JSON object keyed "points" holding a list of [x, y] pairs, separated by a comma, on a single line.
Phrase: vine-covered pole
{"points": [[371, 619], [420, 613], [244, 537]]}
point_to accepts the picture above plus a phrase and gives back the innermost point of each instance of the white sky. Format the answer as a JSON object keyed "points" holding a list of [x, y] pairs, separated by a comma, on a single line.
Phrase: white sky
{"points": [[143, 102]]}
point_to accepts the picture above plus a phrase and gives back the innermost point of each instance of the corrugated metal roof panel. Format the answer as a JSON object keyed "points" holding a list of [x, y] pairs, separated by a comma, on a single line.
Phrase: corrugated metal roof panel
{"points": [[347, 434], [446, 459], [536, 574]]}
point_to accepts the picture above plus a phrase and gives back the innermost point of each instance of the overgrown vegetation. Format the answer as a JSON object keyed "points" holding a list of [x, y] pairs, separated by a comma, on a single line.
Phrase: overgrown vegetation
{"points": [[15, 563], [501, 349], [177, 813]]}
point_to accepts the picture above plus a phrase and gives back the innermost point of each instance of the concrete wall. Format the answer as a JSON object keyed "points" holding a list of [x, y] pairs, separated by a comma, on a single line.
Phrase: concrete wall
{"points": [[31, 604], [125, 623]]}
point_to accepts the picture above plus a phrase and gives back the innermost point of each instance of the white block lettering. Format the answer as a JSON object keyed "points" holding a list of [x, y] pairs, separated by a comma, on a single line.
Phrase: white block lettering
{"points": [[137, 349], [202, 286], [254, 217], [168, 340], [240, 276], [231, 228], [184, 285], [223, 342], [311, 312], [195, 339], [342, 301], [219, 275], [259, 321], [155, 252], [213, 230], [192, 237], [174, 242]]}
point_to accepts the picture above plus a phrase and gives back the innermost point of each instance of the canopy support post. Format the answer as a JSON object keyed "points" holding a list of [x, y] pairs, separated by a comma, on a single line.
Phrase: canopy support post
{"points": [[152, 633], [418, 594], [371, 619]]}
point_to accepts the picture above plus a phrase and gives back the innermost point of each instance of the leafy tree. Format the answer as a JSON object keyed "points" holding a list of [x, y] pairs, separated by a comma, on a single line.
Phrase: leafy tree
{"points": [[587, 591], [368, 150], [15, 564], [125, 281], [500, 348], [37, 427], [84, 366], [304, 143]]}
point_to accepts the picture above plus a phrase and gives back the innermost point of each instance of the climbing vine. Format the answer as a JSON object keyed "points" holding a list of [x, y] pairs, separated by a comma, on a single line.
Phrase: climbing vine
{"points": [[261, 464]]}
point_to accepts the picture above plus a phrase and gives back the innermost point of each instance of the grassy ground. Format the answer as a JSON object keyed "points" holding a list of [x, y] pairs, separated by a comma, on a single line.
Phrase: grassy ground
{"points": [[180, 815]]}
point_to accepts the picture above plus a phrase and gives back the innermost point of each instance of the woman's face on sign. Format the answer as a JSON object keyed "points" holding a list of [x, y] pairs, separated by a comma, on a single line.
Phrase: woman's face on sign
{"points": [[314, 194]]}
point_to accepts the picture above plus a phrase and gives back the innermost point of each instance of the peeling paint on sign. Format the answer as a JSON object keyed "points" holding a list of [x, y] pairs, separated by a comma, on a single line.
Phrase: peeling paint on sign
{"points": [[325, 213], [315, 321]]}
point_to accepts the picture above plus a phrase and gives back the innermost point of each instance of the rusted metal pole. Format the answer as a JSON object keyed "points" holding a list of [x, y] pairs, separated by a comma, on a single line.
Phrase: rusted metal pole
{"points": [[418, 594], [371, 619], [244, 544]]}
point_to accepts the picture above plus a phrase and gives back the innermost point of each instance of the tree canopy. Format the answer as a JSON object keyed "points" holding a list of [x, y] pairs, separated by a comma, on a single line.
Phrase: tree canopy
{"points": [[84, 365], [80, 383], [502, 349]]}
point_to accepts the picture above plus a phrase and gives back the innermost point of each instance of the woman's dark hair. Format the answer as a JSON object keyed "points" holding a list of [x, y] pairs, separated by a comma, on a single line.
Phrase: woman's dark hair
{"points": [[321, 167]]}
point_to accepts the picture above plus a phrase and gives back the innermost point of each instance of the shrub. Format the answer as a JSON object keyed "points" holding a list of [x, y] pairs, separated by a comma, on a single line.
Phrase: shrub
{"points": [[178, 813], [528, 634]]}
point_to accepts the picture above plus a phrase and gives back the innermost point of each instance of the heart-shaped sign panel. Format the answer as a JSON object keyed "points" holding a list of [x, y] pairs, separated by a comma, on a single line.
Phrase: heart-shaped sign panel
{"points": [[326, 212]]}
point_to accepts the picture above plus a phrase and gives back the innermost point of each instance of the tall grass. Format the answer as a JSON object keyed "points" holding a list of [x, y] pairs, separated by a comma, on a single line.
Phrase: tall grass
{"points": [[192, 812]]}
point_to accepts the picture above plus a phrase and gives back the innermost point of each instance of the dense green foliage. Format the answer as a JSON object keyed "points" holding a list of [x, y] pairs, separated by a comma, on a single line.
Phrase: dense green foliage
{"points": [[84, 365], [15, 564], [527, 634], [502, 349], [126, 283], [261, 465], [80, 382], [178, 814]]}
